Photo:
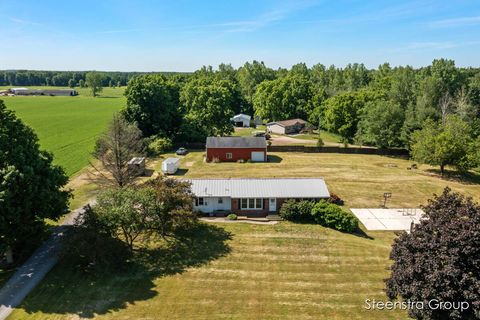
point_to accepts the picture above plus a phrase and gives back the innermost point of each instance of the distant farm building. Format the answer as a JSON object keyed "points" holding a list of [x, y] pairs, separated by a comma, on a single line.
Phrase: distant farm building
{"points": [[286, 126], [237, 148], [241, 120], [43, 92]]}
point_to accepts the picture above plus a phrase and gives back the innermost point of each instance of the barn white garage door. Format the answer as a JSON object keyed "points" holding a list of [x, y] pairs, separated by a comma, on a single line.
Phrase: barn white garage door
{"points": [[258, 156]]}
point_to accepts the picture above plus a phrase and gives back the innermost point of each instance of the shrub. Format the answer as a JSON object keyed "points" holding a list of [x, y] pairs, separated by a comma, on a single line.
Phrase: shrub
{"points": [[299, 211], [320, 142], [159, 145], [335, 199], [332, 216], [232, 216]]}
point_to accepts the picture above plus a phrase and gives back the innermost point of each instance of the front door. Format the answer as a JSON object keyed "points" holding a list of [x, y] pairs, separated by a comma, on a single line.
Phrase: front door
{"points": [[272, 204]]}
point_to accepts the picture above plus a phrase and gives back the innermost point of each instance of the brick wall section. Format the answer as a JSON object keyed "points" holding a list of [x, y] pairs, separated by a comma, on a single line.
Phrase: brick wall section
{"points": [[237, 153]]}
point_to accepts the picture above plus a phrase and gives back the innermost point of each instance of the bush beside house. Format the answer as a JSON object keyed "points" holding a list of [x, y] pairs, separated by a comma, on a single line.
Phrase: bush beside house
{"points": [[324, 213]]}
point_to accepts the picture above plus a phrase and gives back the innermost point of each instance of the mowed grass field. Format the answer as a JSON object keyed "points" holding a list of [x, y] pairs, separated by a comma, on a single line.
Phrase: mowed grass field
{"points": [[236, 271], [360, 180], [244, 271], [68, 126]]}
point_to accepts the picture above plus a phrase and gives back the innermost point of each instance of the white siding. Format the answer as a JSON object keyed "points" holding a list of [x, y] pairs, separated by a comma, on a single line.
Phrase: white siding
{"points": [[275, 128], [212, 204]]}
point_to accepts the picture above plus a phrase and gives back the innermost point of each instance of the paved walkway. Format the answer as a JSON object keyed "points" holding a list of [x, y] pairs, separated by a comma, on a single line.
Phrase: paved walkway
{"points": [[29, 275]]}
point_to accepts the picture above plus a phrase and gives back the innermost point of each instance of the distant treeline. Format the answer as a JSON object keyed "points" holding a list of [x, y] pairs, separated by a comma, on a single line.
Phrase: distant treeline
{"points": [[66, 78]]}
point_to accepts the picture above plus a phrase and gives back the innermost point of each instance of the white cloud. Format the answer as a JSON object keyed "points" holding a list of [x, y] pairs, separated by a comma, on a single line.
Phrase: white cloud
{"points": [[456, 22]]}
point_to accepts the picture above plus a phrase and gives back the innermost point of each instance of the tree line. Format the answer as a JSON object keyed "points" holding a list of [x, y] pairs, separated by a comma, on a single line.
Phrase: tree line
{"points": [[65, 78], [382, 107]]}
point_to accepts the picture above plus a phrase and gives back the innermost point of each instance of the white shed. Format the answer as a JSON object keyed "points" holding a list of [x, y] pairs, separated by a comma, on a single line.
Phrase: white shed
{"points": [[241, 120], [170, 165]]}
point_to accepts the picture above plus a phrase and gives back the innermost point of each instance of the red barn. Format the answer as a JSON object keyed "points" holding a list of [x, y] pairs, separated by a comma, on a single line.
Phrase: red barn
{"points": [[236, 148]]}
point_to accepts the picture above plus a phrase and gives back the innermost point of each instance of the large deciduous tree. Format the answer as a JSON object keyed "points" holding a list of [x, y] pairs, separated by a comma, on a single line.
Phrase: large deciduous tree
{"points": [[114, 149], [380, 124], [250, 75], [153, 103], [443, 144], [440, 259], [208, 106], [128, 218], [31, 187], [94, 81], [342, 112], [284, 98]]}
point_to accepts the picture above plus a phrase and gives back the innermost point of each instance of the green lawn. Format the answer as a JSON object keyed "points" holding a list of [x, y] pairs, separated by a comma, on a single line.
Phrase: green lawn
{"points": [[231, 271], [68, 126], [359, 179], [241, 271]]}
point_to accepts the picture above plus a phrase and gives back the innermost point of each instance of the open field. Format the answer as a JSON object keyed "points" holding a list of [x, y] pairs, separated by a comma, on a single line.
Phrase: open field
{"points": [[283, 271], [288, 271], [360, 180], [68, 126]]}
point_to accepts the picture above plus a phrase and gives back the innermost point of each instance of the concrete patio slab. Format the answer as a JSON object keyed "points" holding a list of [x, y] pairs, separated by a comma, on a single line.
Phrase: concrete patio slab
{"points": [[388, 219]]}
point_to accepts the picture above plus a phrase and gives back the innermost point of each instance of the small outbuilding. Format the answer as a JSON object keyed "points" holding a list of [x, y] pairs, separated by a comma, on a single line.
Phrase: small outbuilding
{"points": [[237, 148], [170, 165], [286, 126], [137, 166], [241, 120]]}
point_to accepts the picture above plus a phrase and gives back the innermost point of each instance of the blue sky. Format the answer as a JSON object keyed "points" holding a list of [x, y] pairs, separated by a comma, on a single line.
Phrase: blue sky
{"points": [[181, 35]]}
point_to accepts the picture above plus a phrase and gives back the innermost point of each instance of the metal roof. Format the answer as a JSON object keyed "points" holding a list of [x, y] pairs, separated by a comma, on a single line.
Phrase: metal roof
{"points": [[261, 188], [137, 160], [241, 115], [287, 123], [171, 160], [236, 142]]}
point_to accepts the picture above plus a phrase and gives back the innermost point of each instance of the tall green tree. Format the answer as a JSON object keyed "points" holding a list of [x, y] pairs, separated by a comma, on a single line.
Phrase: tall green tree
{"points": [[250, 75], [284, 98], [381, 123], [31, 187], [342, 112], [208, 107], [94, 81], [153, 103], [443, 144]]}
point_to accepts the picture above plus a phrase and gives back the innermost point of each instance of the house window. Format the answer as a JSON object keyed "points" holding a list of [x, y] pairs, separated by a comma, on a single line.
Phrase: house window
{"points": [[220, 200], [244, 204], [199, 202], [251, 204], [228, 155]]}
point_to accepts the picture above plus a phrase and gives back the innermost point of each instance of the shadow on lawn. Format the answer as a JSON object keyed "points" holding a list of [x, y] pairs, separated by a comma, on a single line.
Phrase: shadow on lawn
{"points": [[68, 290], [461, 177]]}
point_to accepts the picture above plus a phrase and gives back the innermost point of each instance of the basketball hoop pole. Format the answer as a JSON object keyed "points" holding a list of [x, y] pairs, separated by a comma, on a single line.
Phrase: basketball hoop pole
{"points": [[386, 195]]}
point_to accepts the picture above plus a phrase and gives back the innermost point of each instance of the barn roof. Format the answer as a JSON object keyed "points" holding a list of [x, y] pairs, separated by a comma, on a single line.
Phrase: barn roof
{"points": [[236, 142], [287, 123], [260, 188], [241, 115]]}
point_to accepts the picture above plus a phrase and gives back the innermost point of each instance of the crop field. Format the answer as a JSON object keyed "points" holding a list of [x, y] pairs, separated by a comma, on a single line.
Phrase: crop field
{"points": [[68, 126]]}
